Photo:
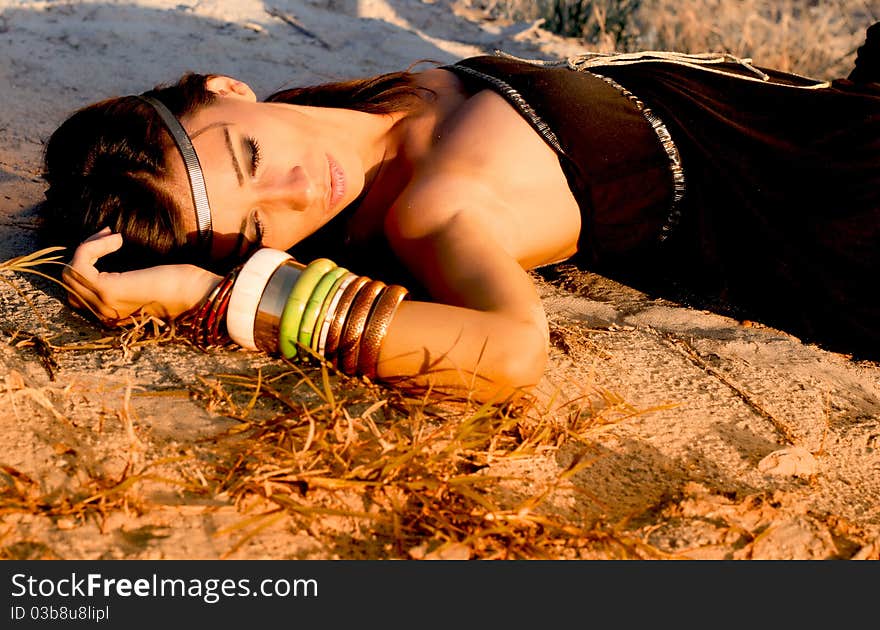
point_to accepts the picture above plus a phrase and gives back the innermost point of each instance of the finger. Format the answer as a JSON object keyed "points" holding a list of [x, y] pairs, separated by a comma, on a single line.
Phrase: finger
{"points": [[79, 302], [74, 301], [83, 299], [88, 253], [82, 295], [102, 232], [72, 276]]}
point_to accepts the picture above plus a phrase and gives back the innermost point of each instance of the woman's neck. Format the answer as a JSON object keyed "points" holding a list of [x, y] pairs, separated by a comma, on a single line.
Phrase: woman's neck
{"points": [[409, 138]]}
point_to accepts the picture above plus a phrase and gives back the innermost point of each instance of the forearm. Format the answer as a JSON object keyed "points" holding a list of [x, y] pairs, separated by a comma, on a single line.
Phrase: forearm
{"points": [[360, 324], [483, 355], [192, 291]]}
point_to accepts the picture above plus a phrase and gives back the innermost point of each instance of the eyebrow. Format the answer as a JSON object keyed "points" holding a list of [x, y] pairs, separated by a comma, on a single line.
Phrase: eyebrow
{"points": [[213, 125], [225, 125], [235, 165], [239, 239]]}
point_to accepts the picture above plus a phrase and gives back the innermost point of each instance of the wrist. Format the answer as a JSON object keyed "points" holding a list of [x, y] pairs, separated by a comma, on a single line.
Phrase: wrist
{"points": [[202, 283], [194, 287]]}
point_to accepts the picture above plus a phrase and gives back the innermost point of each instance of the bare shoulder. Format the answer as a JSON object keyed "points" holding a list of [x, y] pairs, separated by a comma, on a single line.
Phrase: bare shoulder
{"points": [[488, 162]]}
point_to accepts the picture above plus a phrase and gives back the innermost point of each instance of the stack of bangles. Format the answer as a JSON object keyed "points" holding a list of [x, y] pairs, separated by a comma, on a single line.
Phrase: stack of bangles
{"points": [[206, 324], [275, 304]]}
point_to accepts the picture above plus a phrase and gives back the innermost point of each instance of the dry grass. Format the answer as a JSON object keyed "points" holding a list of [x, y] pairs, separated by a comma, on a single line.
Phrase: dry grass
{"points": [[369, 471], [387, 475], [96, 484], [366, 471], [809, 37]]}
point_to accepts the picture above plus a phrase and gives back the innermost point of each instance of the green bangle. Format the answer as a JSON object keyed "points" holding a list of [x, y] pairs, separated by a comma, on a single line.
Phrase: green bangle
{"points": [[288, 328], [337, 287], [315, 304]]}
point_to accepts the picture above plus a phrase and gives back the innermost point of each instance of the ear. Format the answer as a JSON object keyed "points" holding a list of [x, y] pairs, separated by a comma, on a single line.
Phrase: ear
{"points": [[232, 88]]}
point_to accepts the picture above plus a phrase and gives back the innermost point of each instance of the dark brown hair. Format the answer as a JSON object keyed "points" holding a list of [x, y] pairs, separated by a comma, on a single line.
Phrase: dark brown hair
{"points": [[106, 163], [382, 94], [105, 166]]}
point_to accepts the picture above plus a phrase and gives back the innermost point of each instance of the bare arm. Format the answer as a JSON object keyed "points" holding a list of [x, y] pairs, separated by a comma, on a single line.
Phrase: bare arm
{"points": [[487, 333], [485, 337]]}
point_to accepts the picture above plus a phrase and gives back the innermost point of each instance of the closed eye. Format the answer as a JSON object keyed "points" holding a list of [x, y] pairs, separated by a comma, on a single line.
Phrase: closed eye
{"points": [[253, 154], [245, 243]]}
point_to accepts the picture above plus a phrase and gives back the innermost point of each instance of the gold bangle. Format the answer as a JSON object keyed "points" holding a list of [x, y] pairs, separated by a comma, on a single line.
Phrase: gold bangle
{"points": [[271, 306], [338, 321], [349, 344], [377, 328], [319, 341]]}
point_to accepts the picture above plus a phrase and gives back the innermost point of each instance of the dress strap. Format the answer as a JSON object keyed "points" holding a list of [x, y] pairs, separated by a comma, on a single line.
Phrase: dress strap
{"points": [[583, 64], [707, 62], [515, 98]]}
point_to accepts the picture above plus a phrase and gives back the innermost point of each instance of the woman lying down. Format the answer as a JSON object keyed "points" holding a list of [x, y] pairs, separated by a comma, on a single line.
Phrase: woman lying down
{"points": [[388, 223]]}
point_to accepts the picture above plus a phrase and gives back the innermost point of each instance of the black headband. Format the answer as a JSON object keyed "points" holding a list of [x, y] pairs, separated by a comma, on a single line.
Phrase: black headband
{"points": [[193, 168]]}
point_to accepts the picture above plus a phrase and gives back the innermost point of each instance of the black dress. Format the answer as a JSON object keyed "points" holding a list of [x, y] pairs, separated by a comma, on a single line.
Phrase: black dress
{"points": [[755, 186]]}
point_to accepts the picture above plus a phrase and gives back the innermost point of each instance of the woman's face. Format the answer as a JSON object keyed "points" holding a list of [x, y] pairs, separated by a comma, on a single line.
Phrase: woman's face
{"points": [[274, 173]]}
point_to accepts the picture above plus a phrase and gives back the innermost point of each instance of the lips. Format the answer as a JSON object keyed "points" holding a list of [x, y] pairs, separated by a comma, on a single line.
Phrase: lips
{"points": [[337, 182]]}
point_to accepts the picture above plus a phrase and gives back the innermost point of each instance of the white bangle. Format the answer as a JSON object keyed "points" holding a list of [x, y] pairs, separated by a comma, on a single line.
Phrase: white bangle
{"points": [[246, 294]]}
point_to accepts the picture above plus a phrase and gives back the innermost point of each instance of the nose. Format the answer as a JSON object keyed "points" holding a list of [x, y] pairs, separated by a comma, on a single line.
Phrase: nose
{"points": [[293, 189]]}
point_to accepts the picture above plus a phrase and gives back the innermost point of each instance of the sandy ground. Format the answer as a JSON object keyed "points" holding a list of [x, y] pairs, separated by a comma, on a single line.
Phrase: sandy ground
{"points": [[719, 439]]}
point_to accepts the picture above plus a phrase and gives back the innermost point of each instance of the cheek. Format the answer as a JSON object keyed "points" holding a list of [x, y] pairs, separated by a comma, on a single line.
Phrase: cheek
{"points": [[282, 230]]}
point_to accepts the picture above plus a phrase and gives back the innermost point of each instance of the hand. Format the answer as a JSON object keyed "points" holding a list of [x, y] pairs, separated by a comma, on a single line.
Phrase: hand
{"points": [[165, 291]]}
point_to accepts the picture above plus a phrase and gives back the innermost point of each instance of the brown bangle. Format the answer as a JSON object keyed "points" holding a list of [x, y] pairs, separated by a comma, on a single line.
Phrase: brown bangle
{"points": [[217, 314], [339, 315], [217, 317], [271, 306], [197, 324], [377, 328], [349, 344]]}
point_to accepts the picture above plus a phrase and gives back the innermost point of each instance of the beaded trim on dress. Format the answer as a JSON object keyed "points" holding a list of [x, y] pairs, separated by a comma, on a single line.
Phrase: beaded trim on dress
{"points": [[660, 129], [511, 94], [665, 138], [587, 61]]}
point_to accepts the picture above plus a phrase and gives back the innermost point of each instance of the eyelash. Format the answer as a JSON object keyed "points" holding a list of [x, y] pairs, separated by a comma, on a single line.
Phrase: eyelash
{"points": [[259, 229], [256, 155]]}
